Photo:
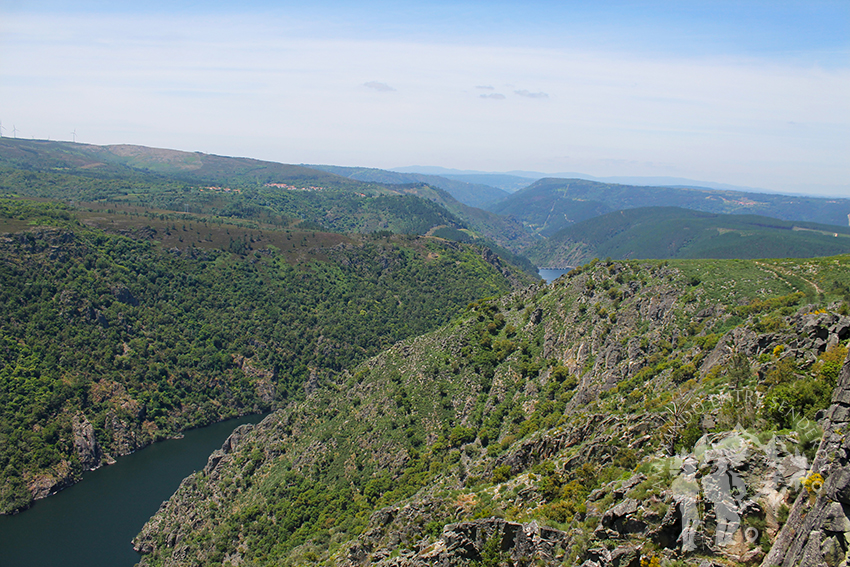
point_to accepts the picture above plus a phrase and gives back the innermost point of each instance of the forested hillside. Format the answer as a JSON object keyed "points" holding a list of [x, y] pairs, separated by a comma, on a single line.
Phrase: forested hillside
{"points": [[544, 427], [148, 291], [671, 232], [115, 337], [549, 205], [468, 193], [251, 190]]}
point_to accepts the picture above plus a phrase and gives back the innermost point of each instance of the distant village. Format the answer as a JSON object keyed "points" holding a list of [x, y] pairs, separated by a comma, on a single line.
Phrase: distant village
{"points": [[292, 187], [276, 185]]}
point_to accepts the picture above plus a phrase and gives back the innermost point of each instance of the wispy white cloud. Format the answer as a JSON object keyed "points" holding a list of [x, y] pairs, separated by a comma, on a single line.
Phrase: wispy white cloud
{"points": [[528, 94], [380, 87], [486, 87], [495, 96]]}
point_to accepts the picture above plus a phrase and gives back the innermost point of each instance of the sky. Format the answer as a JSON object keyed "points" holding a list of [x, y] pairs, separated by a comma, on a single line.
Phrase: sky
{"points": [[749, 93]]}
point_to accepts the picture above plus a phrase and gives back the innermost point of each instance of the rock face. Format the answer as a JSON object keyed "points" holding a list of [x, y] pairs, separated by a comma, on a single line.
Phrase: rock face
{"points": [[64, 473], [88, 450], [190, 518], [823, 329], [480, 540], [523, 543], [818, 526], [44, 485]]}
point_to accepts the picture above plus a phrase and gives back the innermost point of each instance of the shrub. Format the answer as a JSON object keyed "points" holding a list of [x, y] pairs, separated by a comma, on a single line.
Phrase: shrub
{"points": [[461, 435], [501, 474], [786, 403], [813, 483], [684, 373]]}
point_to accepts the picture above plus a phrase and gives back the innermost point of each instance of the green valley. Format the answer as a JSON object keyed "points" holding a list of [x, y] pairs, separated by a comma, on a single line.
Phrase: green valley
{"points": [[432, 402], [115, 337]]}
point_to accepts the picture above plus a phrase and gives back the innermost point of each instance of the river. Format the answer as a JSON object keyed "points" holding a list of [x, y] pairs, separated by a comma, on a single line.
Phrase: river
{"points": [[551, 275], [91, 523]]}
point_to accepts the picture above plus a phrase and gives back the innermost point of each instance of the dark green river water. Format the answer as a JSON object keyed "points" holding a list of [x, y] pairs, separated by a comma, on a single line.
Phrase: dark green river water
{"points": [[91, 523]]}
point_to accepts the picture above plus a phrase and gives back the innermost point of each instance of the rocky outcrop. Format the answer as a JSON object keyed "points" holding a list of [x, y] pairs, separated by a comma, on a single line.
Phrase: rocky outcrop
{"points": [[178, 516], [264, 379], [621, 556], [230, 444], [822, 330], [490, 538], [523, 543], [87, 448], [816, 533], [63, 474], [48, 483]]}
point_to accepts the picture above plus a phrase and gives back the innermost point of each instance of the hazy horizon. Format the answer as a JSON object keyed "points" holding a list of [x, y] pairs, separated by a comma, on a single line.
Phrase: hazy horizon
{"points": [[751, 94]]}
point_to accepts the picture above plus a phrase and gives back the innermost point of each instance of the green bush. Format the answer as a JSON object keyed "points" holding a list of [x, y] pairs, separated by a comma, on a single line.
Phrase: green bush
{"points": [[786, 403], [501, 474], [461, 435]]}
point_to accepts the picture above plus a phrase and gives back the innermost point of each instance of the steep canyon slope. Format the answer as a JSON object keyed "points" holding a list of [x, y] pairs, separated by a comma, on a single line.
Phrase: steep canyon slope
{"points": [[587, 422], [112, 338]]}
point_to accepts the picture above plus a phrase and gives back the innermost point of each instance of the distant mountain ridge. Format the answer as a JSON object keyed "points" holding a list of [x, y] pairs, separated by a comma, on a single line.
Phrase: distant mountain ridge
{"points": [[671, 232], [523, 178], [548, 205], [364, 200], [247, 188], [468, 193], [141, 161]]}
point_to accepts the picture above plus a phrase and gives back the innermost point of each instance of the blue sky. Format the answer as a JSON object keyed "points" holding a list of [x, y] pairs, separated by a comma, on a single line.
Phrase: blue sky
{"points": [[746, 93]]}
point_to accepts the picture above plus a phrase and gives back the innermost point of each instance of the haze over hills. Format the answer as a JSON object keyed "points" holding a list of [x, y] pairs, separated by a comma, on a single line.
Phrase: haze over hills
{"points": [[509, 182], [671, 232], [469, 193], [380, 200], [513, 181], [549, 205]]}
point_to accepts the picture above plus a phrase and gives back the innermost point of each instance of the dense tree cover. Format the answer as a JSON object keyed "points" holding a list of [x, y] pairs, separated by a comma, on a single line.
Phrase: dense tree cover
{"points": [[670, 232], [143, 343], [239, 188], [332, 209]]}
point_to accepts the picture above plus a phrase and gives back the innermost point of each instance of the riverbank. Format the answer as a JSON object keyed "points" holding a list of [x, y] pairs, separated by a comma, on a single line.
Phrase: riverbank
{"points": [[91, 523]]}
